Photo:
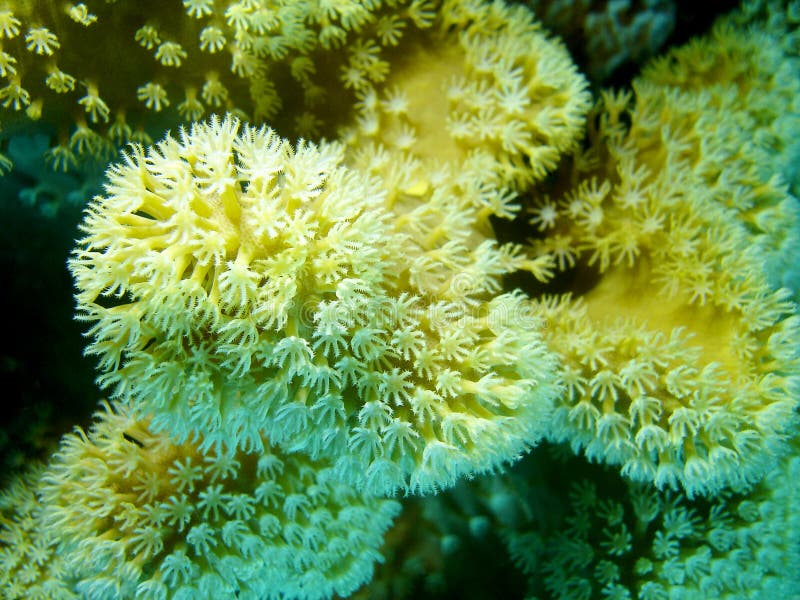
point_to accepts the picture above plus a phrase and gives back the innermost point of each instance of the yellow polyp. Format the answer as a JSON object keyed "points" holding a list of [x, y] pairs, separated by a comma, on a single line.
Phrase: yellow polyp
{"points": [[58, 81], [229, 200], [34, 110], [191, 108], [80, 14], [119, 131]]}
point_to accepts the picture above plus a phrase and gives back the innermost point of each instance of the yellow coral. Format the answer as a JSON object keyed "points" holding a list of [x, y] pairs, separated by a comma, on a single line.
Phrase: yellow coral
{"points": [[642, 393], [749, 161], [682, 359], [241, 45], [31, 565], [696, 384], [236, 287], [305, 47], [138, 516], [93, 60], [750, 75], [493, 82]]}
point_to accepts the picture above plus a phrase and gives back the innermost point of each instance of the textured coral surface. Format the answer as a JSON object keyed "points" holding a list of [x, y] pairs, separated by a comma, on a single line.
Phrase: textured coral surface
{"points": [[401, 303], [257, 289]]}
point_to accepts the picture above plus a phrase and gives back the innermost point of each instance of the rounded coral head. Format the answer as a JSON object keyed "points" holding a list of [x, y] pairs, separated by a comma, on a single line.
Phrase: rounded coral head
{"points": [[237, 287], [138, 516]]}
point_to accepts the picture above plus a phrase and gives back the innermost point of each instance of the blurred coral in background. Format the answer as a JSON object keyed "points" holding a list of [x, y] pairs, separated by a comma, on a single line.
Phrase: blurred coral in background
{"points": [[606, 35]]}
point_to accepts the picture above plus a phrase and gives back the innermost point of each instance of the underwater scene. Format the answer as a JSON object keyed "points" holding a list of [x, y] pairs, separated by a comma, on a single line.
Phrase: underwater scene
{"points": [[400, 299]]}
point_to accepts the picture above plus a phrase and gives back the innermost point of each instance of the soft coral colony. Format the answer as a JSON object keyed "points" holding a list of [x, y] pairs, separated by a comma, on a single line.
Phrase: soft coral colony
{"points": [[349, 313], [668, 202], [292, 333], [98, 75], [269, 289]]}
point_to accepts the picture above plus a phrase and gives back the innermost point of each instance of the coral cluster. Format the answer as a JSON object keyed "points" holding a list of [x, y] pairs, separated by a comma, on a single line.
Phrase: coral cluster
{"points": [[650, 400], [138, 515], [30, 564], [237, 287], [748, 161], [166, 63], [698, 387], [93, 91], [617, 539], [291, 333], [494, 83]]}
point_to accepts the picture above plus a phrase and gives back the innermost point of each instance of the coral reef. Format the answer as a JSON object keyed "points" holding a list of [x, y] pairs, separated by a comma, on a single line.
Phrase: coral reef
{"points": [[441, 274]]}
